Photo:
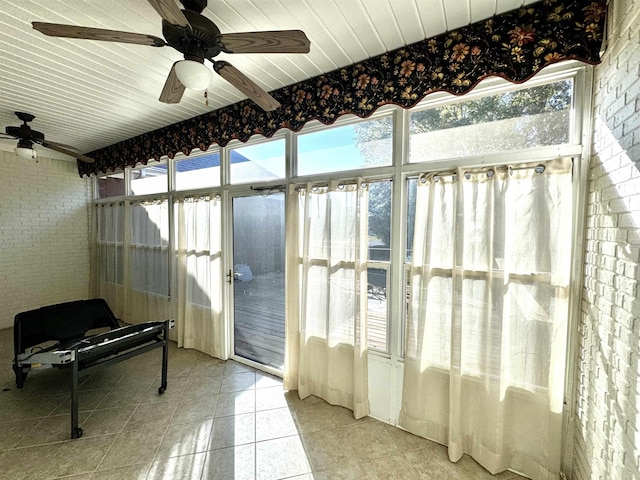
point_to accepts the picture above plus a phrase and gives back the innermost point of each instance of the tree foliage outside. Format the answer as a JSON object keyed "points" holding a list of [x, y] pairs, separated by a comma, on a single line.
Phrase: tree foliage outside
{"points": [[380, 211], [509, 121], [552, 97], [513, 120], [374, 140]]}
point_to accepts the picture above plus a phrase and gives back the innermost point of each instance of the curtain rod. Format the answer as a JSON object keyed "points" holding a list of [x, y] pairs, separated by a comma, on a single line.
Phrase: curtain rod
{"points": [[340, 184], [275, 188], [489, 171], [202, 196], [345, 182]]}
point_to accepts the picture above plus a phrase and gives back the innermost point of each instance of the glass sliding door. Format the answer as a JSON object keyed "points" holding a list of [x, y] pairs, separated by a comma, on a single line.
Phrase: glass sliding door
{"points": [[258, 278]]}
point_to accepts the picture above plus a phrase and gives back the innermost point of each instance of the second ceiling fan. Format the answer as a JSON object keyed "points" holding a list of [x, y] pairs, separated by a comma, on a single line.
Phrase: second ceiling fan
{"points": [[197, 38]]}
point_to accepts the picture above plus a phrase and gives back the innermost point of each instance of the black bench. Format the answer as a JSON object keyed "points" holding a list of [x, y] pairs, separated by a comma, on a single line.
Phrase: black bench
{"points": [[60, 336]]}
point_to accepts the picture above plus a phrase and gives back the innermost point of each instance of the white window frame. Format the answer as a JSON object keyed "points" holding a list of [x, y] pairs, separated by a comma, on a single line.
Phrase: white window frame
{"points": [[399, 171]]}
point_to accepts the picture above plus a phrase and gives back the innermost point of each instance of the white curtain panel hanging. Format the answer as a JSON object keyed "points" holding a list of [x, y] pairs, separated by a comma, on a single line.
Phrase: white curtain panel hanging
{"points": [[326, 333], [198, 263], [147, 247], [107, 259], [487, 330]]}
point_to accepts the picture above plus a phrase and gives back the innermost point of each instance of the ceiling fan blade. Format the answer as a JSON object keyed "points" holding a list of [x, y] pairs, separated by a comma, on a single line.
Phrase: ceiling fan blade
{"points": [[279, 41], [59, 148], [169, 11], [243, 83], [88, 33], [173, 89]]}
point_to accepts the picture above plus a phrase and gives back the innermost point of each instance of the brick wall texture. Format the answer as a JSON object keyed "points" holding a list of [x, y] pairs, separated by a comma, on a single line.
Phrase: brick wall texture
{"points": [[44, 240], [607, 433]]}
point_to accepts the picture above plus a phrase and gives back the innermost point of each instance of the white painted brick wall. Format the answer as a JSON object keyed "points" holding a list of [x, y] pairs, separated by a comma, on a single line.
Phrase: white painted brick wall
{"points": [[44, 245], [607, 436]]}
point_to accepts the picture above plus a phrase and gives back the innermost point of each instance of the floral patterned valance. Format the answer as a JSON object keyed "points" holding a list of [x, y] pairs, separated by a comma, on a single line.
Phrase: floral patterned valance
{"points": [[514, 45]]}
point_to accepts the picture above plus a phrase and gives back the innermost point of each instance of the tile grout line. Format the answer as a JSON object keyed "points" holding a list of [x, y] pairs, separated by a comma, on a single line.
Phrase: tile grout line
{"points": [[155, 455], [213, 421], [117, 434]]}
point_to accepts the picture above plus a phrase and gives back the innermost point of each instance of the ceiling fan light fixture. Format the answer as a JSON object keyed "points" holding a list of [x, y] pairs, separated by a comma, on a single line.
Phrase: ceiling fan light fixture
{"points": [[193, 75], [26, 153], [25, 150]]}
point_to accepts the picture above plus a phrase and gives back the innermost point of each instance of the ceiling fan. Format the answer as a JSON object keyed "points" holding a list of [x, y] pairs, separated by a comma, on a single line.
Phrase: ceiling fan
{"points": [[197, 38], [27, 137]]}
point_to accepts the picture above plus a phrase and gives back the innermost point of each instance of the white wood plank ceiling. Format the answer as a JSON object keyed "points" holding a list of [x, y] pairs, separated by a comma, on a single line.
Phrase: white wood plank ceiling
{"points": [[90, 94]]}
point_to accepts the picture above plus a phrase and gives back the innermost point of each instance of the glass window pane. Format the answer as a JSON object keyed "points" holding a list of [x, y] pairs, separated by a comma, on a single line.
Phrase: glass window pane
{"points": [[148, 180], [259, 287], [198, 172], [520, 119], [112, 263], [149, 259], [150, 271], [150, 224], [377, 308], [111, 185], [255, 163], [350, 147], [380, 221]]}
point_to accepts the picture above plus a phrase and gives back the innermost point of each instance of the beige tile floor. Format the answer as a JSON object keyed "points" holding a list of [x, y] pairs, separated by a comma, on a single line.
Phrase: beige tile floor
{"points": [[217, 420]]}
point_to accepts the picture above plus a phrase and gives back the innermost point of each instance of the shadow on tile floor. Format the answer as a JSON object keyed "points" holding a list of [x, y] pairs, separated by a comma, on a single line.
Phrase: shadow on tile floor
{"points": [[217, 420]]}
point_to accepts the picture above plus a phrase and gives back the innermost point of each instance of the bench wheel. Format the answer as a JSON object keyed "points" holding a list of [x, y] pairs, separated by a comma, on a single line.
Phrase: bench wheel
{"points": [[161, 390], [77, 432]]}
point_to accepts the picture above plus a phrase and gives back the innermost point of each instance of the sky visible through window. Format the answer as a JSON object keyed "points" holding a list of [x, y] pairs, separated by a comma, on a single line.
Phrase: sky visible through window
{"points": [[266, 162], [348, 147], [333, 149]]}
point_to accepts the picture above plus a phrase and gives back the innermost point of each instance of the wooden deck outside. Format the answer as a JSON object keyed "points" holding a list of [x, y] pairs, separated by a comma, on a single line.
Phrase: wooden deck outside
{"points": [[259, 319]]}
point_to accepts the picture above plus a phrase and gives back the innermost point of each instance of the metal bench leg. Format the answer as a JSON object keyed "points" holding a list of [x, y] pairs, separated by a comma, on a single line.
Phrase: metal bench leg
{"points": [[165, 359], [76, 431], [21, 375]]}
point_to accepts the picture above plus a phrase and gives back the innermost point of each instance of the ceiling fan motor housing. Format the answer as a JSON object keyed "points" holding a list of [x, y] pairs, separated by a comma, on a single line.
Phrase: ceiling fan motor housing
{"points": [[22, 143], [201, 41], [24, 132]]}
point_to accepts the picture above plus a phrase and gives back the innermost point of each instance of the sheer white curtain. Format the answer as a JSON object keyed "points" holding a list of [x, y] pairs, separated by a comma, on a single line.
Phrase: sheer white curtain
{"points": [[198, 292], [487, 330], [326, 337], [147, 247], [107, 259]]}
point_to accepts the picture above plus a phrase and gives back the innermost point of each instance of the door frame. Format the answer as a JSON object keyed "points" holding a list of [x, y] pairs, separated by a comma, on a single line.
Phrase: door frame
{"points": [[228, 262]]}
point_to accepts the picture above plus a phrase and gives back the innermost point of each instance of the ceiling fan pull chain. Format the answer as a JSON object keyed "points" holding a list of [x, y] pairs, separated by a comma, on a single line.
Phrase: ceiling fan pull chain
{"points": [[206, 98]]}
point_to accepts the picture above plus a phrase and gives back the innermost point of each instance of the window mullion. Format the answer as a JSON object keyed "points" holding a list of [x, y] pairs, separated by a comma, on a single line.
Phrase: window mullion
{"points": [[398, 235]]}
